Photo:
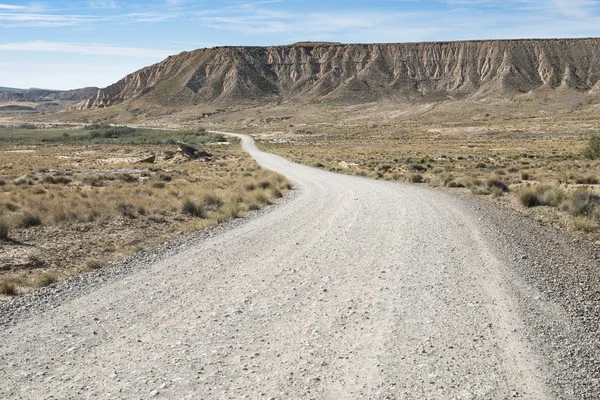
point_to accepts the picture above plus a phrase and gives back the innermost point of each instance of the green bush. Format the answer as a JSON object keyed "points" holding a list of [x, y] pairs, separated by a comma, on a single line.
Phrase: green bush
{"points": [[592, 151]]}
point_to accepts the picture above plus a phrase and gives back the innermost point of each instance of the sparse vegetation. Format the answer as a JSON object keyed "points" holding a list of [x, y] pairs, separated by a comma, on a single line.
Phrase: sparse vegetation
{"points": [[46, 279], [592, 151], [96, 204], [193, 209], [504, 160], [585, 224], [4, 228], [8, 287]]}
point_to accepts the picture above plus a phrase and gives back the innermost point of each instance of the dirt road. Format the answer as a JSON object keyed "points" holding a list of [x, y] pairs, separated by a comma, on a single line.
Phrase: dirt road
{"points": [[353, 288]]}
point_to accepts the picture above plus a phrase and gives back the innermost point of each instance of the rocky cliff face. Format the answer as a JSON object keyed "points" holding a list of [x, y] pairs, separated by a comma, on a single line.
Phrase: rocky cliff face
{"points": [[359, 73]]}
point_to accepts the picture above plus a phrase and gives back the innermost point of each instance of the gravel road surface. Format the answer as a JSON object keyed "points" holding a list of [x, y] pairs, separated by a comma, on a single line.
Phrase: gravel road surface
{"points": [[351, 288]]}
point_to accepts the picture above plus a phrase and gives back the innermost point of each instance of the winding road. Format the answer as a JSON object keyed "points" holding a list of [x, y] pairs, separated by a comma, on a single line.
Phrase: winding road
{"points": [[353, 288]]}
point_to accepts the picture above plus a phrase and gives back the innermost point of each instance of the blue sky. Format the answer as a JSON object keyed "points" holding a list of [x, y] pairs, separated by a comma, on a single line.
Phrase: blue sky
{"points": [[71, 44]]}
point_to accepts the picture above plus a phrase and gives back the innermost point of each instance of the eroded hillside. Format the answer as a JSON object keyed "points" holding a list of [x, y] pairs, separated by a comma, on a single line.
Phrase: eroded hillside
{"points": [[361, 72]]}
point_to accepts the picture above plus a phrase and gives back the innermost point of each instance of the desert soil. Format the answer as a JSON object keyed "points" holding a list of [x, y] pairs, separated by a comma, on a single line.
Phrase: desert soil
{"points": [[351, 288]]}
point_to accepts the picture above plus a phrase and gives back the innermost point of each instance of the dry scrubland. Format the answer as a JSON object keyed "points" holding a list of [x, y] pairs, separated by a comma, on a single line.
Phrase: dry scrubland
{"points": [[533, 163], [73, 199]]}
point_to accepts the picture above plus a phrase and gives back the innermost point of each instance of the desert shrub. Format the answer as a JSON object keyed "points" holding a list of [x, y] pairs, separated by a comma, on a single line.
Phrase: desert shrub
{"points": [[586, 180], [497, 184], [544, 195], [585, 224], [455, 184], [418, 168], [4, 229], [27, 126], [192, 209], [592, 151], [29, 220], [319, 165], [480, 189], [264, 184], [11, 206], [584, 203], [46, 279], [261, 198], [497, 192], [165, 177], [94, 264], [56, 180], [127, 178], [93, 180], [525, 176], [8, 287], [250, 187], [415, 178], [157, 185], [253, 206], [211, 200], [2, 182], [229, 210], [529, 198], [126, 210], [550, 195]]}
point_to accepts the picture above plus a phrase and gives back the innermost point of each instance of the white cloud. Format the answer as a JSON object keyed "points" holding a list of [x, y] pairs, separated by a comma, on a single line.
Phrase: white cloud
{"points": [[576, 8], [87, 49], [11, 7]]}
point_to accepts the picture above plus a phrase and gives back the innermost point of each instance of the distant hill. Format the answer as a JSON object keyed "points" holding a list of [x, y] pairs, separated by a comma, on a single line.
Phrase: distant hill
{"points": [[11, 90], [41, 95], [359, 73]]}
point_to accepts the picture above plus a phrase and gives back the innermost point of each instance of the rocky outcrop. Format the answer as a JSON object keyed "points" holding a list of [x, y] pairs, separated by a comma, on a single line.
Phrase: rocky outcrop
{"points": [[361, 72]]}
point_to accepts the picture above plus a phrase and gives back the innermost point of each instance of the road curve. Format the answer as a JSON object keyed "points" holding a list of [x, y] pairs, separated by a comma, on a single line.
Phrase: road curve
{"points": [[355, 288]]}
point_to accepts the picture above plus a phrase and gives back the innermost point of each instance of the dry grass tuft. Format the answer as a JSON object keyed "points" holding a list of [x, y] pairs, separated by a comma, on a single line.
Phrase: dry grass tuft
{"points": [[4, 229], [585, 224], [8, 287], [46, 279]]}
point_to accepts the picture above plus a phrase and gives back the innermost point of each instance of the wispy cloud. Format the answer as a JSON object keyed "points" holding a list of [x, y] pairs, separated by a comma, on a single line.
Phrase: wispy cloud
{"points": [[44, 20], [576, 8], [147, 17], [86, 49], [102, 4], [11, 7]]}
